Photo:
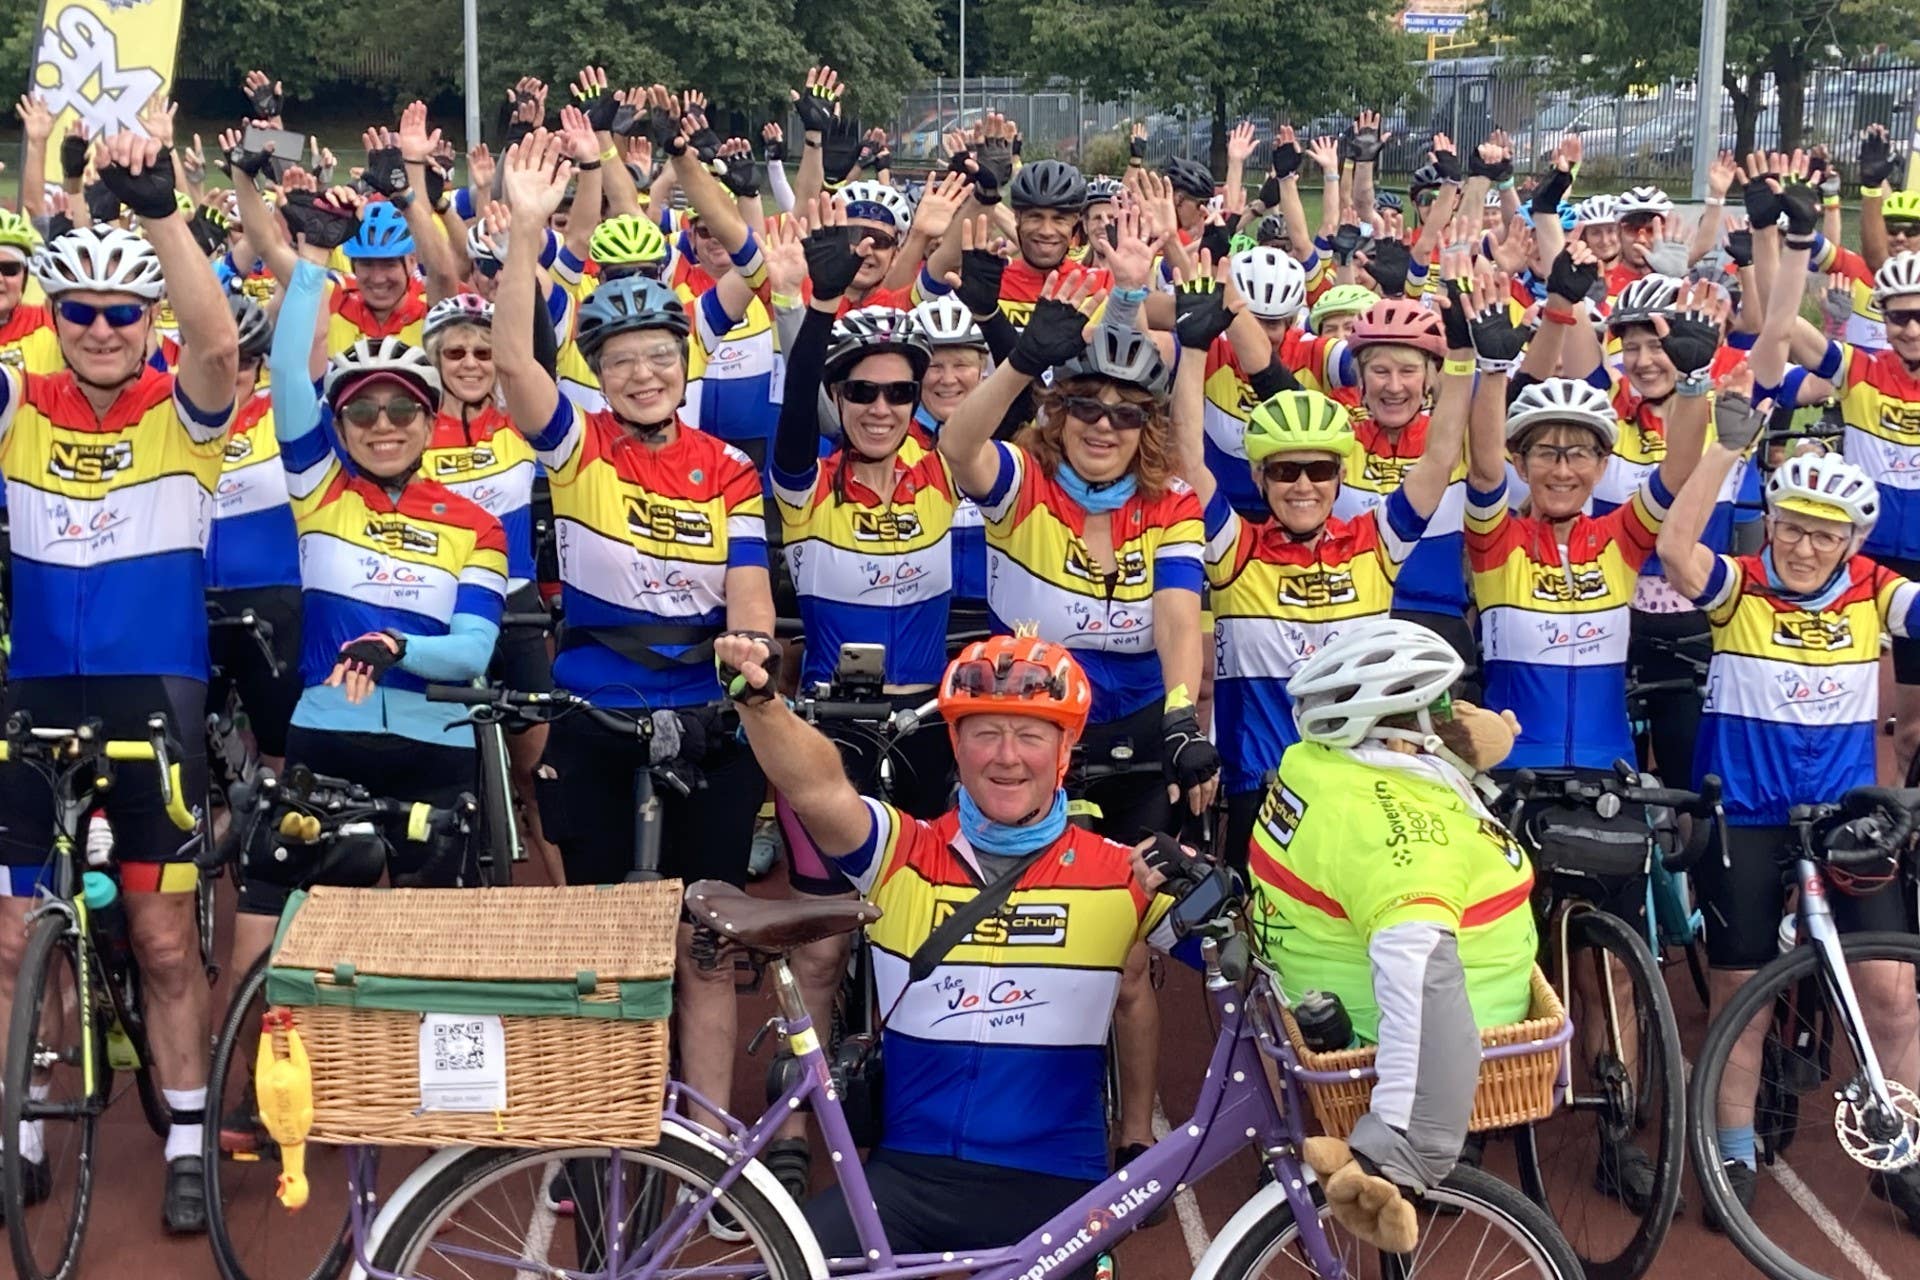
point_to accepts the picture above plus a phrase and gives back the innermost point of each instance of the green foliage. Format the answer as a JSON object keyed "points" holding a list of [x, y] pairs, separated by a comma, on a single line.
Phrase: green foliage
{"points": [[16, 49], [277, 36], [1105, 153]]}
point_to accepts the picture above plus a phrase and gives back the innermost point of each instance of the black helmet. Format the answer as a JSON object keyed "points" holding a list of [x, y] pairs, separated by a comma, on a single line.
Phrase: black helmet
{"points": [[872, 331], [1048, 184], [1425, 178], [1120, 355], [1190, 178], [256, 330]]}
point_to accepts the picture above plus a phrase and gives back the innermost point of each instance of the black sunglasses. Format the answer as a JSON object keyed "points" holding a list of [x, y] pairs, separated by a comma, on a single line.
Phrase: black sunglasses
{"points": [[1901, 319], [400, 411], [1288, 470], [13, 270], [1908, 229], [118, 314], [861, 391], [1121, 416]]}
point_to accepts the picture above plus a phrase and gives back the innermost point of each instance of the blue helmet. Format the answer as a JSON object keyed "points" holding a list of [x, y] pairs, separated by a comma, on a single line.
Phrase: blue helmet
{"points": [[626, 305], [1569, 214], [383, 234]]}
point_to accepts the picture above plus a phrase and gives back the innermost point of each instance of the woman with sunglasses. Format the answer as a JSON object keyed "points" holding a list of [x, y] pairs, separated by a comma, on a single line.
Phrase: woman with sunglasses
{"points": [[1286, 584]]}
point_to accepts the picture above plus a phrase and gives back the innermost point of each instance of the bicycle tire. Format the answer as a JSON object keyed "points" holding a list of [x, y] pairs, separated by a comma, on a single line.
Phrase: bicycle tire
{"points": [[1759, 993], [1660, 1063], [418, 1223], [1465, 1192], [153, 1105], [51, 942], [242, 1010], [494, 838]]}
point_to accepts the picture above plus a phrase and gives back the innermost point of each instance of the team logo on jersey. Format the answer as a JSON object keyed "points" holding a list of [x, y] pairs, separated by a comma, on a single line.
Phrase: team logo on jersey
{"points": [[1318, 589], [1384, 474], [1812, 631], [1407, 825], [1018, 312], [89, 463], [395, 533], [1571, 633], [1497, 835], [663, 522], [1022, 924], [1132, 564], [886, 526], [13, 357], [1281, 813], [1808, 689], [457, 462], [239, 447], [1565, 584], [1900, 420]]}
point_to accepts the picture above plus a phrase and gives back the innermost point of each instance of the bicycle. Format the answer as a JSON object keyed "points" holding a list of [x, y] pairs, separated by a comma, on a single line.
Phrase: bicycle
{"points": [[483, 1208], [353, 830], [1626, 1081], [77, 1016], [1820, 1043], [1674, 921], [501, 845], [231, 760]]}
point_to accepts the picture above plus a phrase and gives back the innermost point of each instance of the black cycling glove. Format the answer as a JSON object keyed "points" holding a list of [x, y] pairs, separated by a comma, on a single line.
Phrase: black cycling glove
{"points": [[1572, 281], [1217, 240], [385, 171], [1363, 146], [986, 186], [776, 150], [1740, 246], [1136, 148], [371, 656], [815, 110], [1447, 164], [265, 101], [1389, 265], [1876, 159], [600, 107], [704, 141], [665, 132], [831, 261], [741, 175], [1801, 204], [980, 273], [996, 157], [1053, 336], [1690, 342], [73, 156], [1453, 317], [735, 684], [1346, 243], [101, 202], [1763, 205], [1496, 171], [148, 193], [1552, 190], [1285, 163], [841, 150], [1497, 342], [1187, 758], [321, 225], [1200, 312]]}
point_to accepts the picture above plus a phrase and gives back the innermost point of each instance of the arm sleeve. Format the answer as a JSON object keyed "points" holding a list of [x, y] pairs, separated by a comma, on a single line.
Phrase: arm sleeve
{"points": [[796, 442], [1000, 335], [461, 654], [546, 343], [296, 407], [781, 188]]}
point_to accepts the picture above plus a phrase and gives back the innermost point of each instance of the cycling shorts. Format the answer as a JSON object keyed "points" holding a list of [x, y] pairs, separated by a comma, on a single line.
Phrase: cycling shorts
{"points": [[1132, 805], [1743, 903], [585, 789], [143, 835], [521, 661], [238, 662], [1906, 650], [390, 766]]}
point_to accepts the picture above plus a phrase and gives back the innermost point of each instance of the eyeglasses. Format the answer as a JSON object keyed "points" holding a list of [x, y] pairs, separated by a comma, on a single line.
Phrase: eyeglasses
{"points": [[454, 355], [1553, 455], [1289, 470], [118, 314], [400, 411], [1908, 229], [660, 360], [698, 231], [1825, 541], [13, 270], [882, 240], [646, 271], [1901, 319], [1121, 416], [861, 391], [1011, 678]]}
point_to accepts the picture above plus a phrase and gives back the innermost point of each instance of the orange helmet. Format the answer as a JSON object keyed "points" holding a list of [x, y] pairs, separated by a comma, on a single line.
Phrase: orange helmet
{"points": [[1401, 322], [1018, 676]]}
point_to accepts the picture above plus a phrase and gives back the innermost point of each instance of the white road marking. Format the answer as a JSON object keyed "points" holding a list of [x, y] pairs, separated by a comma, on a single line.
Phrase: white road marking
{"points": [[1850, 1248], [1192, 1225]]}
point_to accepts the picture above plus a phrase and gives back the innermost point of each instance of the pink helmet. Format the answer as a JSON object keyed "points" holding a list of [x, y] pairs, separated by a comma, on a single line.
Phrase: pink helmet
{"points": [[1402, 322]]}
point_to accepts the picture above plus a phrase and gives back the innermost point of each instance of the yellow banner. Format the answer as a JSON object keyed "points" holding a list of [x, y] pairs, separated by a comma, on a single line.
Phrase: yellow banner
{"points": [[100, 61]]}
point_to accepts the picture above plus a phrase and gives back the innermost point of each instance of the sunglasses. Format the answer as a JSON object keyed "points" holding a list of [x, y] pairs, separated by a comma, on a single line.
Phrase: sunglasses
{"points": [[454, 355], [13, 270], [118, 314], [1287, 471], [1011, 678], [400, 411], [487, 267], [1121, 416], [882, 240], [1901, 319], [648, 271], [860, 391], [1908, 229]]}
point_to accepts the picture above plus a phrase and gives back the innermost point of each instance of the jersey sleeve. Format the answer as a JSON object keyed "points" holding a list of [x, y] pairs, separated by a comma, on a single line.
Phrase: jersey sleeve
{"points": [[997, 503], [1489, 523], [12, 390], [1177, 562], [1725, 581], [483, 578], [886, 845], [1229, 541], [746, 513], [1896, 597], [560, 442], [1400, 528], [1636, 526]]}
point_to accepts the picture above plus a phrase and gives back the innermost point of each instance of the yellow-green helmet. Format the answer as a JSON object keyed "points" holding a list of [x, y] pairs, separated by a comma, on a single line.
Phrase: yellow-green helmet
{"points": [[1901, 206], [17, 232], [1342, 300], [1297, 422], [627, 241]]}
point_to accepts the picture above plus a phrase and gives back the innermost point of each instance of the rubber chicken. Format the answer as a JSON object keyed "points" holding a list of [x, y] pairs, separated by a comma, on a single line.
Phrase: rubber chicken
{"points": [[284, 1088]]}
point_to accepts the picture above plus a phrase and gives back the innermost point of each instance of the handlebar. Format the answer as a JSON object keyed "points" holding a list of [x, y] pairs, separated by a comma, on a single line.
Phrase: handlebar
{"points": [[877, 713], [254, 625], [315, 807], [539, 619], [538, 708], [1703, 804], [1882, 820], [71, 750]]}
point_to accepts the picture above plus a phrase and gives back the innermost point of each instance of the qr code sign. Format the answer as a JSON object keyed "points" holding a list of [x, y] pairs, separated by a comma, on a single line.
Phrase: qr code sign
{"points": [[459, 1046]]}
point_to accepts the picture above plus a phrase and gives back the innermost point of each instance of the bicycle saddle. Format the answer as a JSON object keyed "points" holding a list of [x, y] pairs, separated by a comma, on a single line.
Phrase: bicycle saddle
{"points": [[769, 924]]}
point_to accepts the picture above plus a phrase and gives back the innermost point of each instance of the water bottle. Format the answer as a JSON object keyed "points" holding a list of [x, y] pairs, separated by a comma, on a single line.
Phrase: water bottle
{"points": [[1324, 1023], [99, 839], [1789, 932], [107, 916]]}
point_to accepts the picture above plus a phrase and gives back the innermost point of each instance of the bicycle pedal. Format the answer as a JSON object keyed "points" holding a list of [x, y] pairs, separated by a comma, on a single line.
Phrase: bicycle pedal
{"points": [[121, 1055]]}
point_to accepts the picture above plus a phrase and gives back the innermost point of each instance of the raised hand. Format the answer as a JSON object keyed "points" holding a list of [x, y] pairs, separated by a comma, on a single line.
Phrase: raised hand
{"points": [[35, 119], [1130, 258], [817, 103], [386, 171], [938, 204], [578, 136], [1876, 157], [536, 171], [417, 145], [773, 142], [599, 103], [157, 118], [1240, 142], [266, 98], [780, 241], [480, 168]]}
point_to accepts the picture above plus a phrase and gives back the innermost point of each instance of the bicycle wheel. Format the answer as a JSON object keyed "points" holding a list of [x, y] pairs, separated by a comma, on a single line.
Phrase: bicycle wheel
{"points": [[1840, 1227], [44, 1058], [132, 1032], [1472, 1227], [491, 1213], [253, 1236], [1627, 1092]]}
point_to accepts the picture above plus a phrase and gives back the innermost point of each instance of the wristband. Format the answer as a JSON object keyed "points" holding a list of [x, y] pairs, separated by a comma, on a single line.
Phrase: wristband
{"points": [[1804, 241], [811, 145], [1874, 193], [1505, 184], [1178, 698], [786, 301], [586, 166], [1138, 295], [1555, 317], [1457, 366], [1694, 388], [1830, 202], [1714, 202], [402, 201], [611, 153], [1135, 162]]}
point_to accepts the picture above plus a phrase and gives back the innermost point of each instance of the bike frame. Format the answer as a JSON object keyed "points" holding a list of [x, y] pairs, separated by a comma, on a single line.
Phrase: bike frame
{"points": [[1824, 936]]}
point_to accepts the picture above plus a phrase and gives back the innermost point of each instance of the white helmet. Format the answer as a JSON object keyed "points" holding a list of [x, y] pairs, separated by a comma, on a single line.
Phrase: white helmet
{"points": [[383, 355], [483, 248], [1273, 283], [1898, 277], [1379, 667], [1597, 211], [1572, 402], [878, 202], [461, 308], [1493, 200], [1644, 200], [945, 322], [105, 258], [1643, 299], [1827, 487]]}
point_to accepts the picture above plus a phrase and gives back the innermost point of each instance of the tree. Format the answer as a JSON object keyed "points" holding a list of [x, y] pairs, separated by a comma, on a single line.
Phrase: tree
{"points": [[278, 36], [1233, 56], [1611, 44]]}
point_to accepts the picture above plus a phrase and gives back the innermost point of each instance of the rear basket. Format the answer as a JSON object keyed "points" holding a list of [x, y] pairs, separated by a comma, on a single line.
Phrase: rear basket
{"points": [[581, 978]]}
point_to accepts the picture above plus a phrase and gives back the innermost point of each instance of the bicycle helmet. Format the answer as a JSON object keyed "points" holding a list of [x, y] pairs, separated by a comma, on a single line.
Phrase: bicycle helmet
{"points": [[946, 322], [461, 308], [1048, 184], [1898, 277], [1377, 668], [1492, 200], [877, 202], [256, 330], [1190, 178], [1104, 190], [382, 355], [1297, 422], [1562, 402], [1597, 211], [383, 234], [1425, 178], [1899, 206], [1643, 202], [873, 331], [1120, 355], [627, 240], [1825, 486], [1018, 675], [1273, 283], [627, 305], [1569, 215], [1644, 299], [1272, 230], [16, 232], [1342, 300], [482, 248], [101, 257], [1384, 200], [1400, 322]]}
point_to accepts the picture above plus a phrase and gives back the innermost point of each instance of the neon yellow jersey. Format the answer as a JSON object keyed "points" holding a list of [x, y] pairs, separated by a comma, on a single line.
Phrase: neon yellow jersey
{"points": [[1352, 842]]}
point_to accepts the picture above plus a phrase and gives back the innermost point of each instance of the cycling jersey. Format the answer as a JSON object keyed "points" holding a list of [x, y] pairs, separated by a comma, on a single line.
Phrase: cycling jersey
{"points": [[1038, 570], [645, 538], [1435, 580], [350, 319], [1021, 283], [730, 373], [1866, 327], [969, 530], [1230, 401], [1350, 843], [1277, 602], [1793, 694], [484, 460], [28, 342], [999, 1055], [109, 525], [254, 543], [1553, 622], [1880, 401]]}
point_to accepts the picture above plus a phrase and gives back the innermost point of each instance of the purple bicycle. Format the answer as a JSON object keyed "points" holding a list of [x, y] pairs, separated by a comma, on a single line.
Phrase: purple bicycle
{"points": [[638, 1214]]}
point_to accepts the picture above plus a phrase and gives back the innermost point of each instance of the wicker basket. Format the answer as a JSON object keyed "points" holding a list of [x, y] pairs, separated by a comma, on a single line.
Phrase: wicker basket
{"points": [[1513, 1090], [594, 1072]]}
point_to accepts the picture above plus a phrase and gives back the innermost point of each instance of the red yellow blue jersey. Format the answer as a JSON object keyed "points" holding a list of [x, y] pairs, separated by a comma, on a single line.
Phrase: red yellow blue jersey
{"points": [[1021, 283], [350, 319], [486, 461], [254, 541], [1435, 579], [28, 342], [1230, 401], [1880, 403]]}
